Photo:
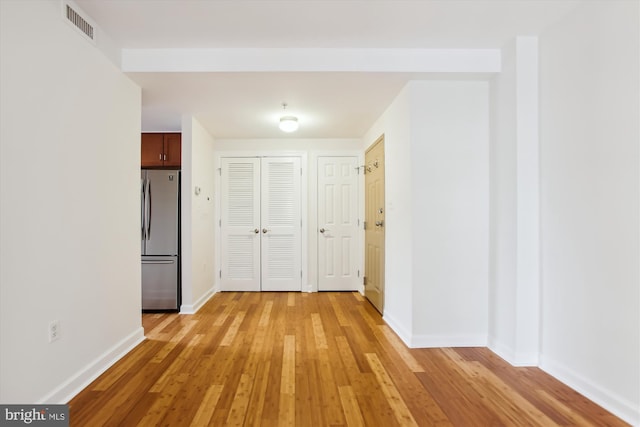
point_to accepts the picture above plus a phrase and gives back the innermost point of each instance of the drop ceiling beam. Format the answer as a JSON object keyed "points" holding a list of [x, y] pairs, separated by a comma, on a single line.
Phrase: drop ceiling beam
{"points": [[312, 60]]}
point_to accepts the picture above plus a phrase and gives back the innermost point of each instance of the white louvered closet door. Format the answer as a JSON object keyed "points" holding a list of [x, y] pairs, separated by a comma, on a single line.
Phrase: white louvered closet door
{"points": [[240, 224], [261, 232], [281, 224]]}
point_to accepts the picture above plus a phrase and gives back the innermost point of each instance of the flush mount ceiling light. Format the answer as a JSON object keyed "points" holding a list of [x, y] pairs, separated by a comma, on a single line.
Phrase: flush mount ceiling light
{"points": [[288, 123]]}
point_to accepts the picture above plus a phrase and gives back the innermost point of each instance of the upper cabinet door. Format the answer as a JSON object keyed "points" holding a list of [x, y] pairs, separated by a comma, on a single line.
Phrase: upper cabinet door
{"points": [[281, 224], [240, 224], [172, 149], [152, 150]]}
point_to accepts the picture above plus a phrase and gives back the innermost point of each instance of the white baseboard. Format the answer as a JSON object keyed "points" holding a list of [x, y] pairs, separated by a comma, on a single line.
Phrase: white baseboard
{"points": [[613, 403], [510, 356], [434, 341], [398, 328], [193, 308], [66, 391]]}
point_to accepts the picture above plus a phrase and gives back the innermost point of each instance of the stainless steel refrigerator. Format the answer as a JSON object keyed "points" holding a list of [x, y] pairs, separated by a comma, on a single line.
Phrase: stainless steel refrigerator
{"points": [[160, 218]]}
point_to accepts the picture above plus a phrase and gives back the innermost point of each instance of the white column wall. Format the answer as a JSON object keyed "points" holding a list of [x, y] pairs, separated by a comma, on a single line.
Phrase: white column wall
{"points": [[527, 204], [503, 208], [437, 213], [514, 255], [198, 215], [450, 204]]}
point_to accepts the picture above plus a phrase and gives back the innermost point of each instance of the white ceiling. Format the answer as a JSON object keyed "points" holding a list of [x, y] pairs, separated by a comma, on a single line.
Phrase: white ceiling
{"points": [[328, 104]]}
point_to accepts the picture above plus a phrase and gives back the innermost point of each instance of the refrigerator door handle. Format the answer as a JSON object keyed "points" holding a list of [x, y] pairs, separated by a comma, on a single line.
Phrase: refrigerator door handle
{"points": [[149, 201], [143, 208]]}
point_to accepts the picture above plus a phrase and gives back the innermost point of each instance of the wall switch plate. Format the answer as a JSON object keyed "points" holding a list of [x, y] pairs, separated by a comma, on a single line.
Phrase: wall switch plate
{"points": [[54, 330]]}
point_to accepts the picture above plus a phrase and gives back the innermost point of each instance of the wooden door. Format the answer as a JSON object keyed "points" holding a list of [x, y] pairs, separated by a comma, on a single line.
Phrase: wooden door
{"points": [[338, 224], [240, 224], [374, 224], [281, 224]]}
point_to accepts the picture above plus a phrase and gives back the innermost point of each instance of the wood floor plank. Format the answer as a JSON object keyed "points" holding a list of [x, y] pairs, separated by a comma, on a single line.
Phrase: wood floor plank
{"points": [[266, 314], [391, 393], [233, 329], [207, 406], [400, 348], [350, 406], [318, 331], [343, 320], [288, 383], [238, 410], [177, 365], [315, 359], [163, 403]]}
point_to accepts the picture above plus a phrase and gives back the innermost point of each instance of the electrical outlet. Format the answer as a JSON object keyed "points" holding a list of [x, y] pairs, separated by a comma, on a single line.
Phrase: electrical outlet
{"points": [[54, 330]]}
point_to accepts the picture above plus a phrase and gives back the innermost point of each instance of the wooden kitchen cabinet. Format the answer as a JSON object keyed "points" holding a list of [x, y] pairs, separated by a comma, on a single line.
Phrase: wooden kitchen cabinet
{"points": [[161, 150]]}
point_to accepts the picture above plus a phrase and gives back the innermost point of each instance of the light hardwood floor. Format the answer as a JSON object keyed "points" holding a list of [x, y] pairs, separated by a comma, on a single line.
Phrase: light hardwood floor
{"points": [[319, 359]]}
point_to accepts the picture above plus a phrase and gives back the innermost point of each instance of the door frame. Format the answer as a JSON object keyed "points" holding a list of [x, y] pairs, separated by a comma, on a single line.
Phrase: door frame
{"points": [[304, 185]]}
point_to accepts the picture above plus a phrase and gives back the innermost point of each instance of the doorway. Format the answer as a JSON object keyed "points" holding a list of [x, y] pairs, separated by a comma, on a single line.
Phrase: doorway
{"points": [[374, 224]]}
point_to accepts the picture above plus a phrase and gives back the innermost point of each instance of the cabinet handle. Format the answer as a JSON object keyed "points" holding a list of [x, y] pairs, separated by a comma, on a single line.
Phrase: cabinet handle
{"points": [[165, 157], [160, 156]]}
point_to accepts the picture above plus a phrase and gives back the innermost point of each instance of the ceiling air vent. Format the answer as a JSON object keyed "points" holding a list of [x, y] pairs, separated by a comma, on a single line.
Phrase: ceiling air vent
{"points": [[78, 21]]}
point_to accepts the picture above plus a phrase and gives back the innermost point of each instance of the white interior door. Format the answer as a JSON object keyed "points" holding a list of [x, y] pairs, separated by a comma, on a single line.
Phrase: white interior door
{"points": [[281, 224], [261, 224], [240, 224], [337, 224]]}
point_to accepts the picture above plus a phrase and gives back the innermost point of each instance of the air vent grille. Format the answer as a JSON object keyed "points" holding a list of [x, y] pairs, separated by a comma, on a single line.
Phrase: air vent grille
{"points": [[79, 22]]}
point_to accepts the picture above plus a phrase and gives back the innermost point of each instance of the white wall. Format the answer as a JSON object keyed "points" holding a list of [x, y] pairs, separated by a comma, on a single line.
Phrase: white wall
{"points": [[395, 125], [450, 193], [70, 207], [590, 209], [436, 189], [198, 215], [309, 150]]}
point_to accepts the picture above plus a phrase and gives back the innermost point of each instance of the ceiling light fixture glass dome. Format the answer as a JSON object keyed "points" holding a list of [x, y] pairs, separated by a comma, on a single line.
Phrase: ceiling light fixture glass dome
{"points": [[288, 123]]}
